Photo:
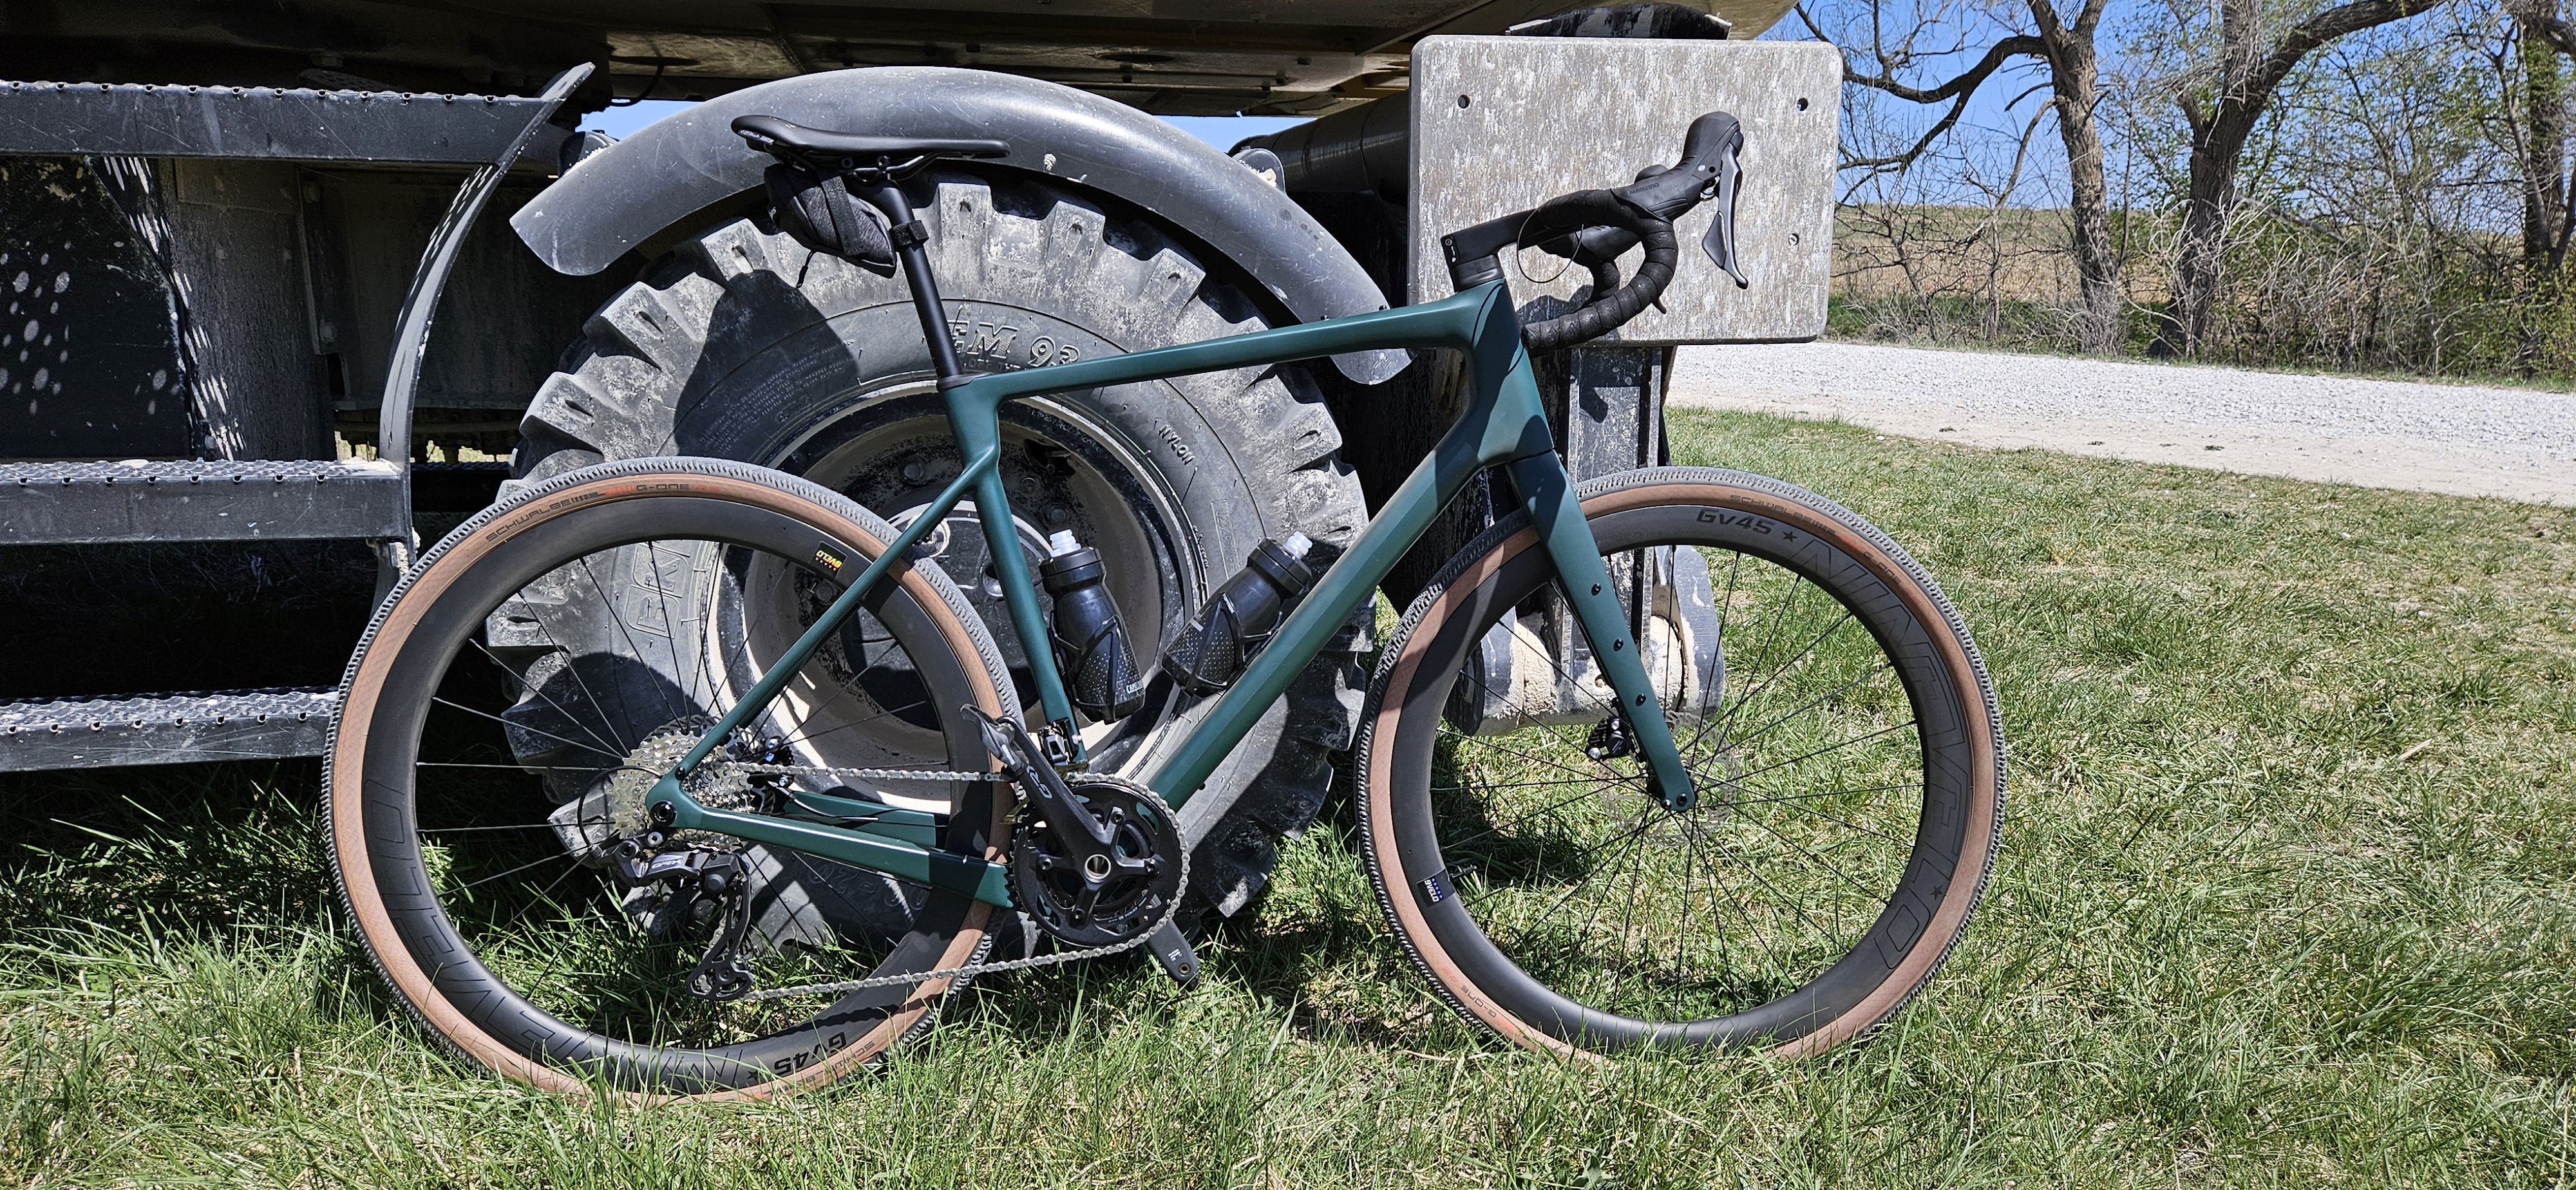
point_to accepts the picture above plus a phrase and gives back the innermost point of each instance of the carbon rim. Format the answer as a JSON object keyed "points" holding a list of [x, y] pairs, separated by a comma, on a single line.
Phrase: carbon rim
{"points": [[1840, 779]]}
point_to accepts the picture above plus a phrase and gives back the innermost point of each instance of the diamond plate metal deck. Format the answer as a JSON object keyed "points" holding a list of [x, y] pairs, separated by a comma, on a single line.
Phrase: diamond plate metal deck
{"points": [[78, 733], [95, 503]]}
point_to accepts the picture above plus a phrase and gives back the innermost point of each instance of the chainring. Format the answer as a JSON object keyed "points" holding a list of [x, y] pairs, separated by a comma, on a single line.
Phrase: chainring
{"points": [[1115, 902]]}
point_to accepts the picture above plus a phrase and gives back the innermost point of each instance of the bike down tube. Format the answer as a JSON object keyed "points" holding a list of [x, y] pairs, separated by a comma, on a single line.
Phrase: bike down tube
{"points": [[1505, 422]]}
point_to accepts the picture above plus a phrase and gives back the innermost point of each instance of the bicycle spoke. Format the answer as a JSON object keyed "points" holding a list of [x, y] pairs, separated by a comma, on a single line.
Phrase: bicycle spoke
{"points": [[1498, 828], [670, 626], [515, 768], [1859, 739], [914, 705], [1765, 683], [1800, 797], [1812, 704], [609, 605], [533, 692], [1793, 903], [517, 826], [1820, 860], [521, 727], [543, 859], [1717, 878], [1559, 766]]}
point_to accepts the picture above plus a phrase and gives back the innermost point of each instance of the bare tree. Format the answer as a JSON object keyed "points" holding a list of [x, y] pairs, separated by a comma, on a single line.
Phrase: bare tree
{"points": [[2250, 68], [2548, 201], [2074, 72], [2066, 48]]}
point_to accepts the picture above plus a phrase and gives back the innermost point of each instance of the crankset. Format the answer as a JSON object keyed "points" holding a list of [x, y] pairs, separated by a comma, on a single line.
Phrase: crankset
{"points": [[1096, 861], [1099, 893]]}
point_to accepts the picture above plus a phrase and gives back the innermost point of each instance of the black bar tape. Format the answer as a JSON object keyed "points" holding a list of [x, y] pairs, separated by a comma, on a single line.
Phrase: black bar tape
{"points": [[1610, 308]]}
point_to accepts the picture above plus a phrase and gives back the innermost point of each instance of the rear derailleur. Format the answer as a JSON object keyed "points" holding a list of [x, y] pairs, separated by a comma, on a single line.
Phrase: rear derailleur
{"points": [[698, 888]]}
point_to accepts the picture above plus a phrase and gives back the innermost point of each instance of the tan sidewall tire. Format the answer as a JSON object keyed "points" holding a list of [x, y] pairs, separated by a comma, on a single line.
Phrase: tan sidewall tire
{"points": [[1389, 694], [347, 761]]}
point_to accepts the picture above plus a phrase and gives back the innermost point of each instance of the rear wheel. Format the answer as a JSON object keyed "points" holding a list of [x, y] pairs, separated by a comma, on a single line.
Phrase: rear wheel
{"points": [[1836, 721], [560, 940]]}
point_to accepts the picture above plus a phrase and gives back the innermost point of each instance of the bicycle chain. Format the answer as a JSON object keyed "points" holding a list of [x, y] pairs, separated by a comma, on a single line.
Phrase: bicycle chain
{"points": [[968, 970]]}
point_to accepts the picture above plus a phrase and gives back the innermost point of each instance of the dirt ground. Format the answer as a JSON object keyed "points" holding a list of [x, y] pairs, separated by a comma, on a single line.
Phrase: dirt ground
{"points": [[2518, 444]]}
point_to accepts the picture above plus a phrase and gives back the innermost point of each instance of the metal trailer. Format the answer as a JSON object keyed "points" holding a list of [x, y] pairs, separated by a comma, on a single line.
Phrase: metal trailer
{"points": [[284, 285]]}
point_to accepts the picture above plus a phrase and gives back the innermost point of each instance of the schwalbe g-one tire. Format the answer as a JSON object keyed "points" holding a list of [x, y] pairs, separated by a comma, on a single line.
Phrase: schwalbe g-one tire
{"points": [[431, 619], [744, 345], [1412, 864]]}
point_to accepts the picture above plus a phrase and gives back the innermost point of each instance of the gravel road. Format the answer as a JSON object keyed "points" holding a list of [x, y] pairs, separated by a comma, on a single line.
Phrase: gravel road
{"points": [[2519, 444]]}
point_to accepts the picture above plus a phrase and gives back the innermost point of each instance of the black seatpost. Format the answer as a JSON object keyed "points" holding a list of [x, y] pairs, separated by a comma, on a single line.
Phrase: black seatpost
{"points": [[909, 235]]}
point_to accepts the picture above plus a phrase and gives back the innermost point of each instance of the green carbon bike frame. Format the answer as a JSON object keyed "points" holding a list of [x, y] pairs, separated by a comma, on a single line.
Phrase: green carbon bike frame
{"points": [[1505, 424]]}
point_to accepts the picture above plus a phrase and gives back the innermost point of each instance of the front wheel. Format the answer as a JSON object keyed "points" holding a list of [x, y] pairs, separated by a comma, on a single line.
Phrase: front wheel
{"points": [[1835, 718]]}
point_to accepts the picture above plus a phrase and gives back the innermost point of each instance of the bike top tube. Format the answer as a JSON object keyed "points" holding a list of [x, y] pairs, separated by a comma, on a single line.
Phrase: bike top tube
{"points": [[1452, 322]]}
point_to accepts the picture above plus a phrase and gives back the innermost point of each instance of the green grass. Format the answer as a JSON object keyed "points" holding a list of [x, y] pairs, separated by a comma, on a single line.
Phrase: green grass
{"points": [[2287, 897]]}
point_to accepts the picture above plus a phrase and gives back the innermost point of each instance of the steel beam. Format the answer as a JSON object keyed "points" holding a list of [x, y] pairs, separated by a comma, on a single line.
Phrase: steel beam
{"points": [[129, 729], [125, 119], [97, 503]]}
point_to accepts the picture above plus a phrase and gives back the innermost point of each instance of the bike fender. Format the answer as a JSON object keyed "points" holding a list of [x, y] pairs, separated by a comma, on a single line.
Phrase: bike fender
{"points": [[620, 196]]}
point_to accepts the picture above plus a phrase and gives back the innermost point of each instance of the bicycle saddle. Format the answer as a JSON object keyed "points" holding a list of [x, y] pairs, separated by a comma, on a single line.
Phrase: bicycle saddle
{"points": [[806, 146]]}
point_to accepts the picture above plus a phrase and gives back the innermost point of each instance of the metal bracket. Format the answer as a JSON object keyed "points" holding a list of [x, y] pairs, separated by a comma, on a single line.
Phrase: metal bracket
{"points": [[274, 124]]}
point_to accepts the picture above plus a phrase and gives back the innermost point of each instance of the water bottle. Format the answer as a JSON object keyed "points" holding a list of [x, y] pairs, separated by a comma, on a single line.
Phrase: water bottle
{"points": [[1235, 622], [1090, 644]]}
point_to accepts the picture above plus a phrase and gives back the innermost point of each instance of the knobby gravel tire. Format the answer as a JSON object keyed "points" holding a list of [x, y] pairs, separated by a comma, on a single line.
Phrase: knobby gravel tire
{"points": [[432, 616], [1855, 981]]}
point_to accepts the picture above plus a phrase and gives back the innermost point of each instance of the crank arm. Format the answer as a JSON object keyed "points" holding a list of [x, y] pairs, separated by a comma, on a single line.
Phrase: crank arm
{"points": [[1172, 949], [1076, 828]]}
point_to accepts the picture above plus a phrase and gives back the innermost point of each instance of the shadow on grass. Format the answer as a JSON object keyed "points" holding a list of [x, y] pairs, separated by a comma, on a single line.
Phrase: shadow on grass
{"points": [[231, 857], [220, 855]]}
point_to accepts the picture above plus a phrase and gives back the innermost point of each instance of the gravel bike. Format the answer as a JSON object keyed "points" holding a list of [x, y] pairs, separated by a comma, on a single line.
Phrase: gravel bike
{"points": [[1673, 757]]}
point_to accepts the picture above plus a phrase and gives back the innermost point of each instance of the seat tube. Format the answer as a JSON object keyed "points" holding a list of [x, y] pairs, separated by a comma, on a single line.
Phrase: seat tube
{"points": [[975, 418], [908, 246], [1019, 590], [1549, 498], [976, 421]]}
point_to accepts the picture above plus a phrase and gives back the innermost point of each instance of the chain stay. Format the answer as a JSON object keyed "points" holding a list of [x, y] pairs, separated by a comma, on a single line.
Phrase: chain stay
{"points": [[969, 969]]}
